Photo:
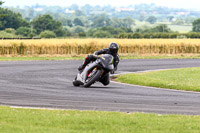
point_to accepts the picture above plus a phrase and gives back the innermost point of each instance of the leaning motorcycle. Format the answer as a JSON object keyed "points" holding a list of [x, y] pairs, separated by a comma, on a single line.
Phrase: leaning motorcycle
{"points": [[95, 71]]}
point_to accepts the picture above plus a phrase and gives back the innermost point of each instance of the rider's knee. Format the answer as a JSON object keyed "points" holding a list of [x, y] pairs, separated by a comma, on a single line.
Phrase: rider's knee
{"points": [[106, 82], [91, 57]]}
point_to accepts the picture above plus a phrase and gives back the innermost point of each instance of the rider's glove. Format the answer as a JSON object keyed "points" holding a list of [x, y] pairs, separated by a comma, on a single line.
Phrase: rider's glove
{"points": [[95, 55]]}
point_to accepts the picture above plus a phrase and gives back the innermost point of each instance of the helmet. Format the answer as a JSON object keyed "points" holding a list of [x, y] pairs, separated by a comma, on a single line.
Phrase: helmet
{"points": [[114, 47]]}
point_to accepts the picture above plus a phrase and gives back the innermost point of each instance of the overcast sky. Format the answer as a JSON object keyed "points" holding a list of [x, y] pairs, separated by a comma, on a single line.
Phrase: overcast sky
{"points": [[190, 4]]}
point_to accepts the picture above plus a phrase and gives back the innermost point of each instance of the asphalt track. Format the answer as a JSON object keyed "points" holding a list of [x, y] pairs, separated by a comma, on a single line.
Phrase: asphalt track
{"points": [[48, 84]]}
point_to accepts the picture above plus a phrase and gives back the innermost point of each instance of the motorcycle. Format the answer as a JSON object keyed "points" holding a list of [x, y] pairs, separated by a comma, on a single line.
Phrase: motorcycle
{"points": [[95, 71]]}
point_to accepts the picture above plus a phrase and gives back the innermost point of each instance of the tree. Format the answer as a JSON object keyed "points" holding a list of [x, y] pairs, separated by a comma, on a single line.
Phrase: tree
{"points": [[189, 20], [112, 30], [79, 13], [116, 22], [46, 22], [78, 22], [69, 23], [9, 19], [142, 17], [151, 19], [101, 21], [77, 29], [128, 22], [161, 28], [102, 34], [196, 25]]}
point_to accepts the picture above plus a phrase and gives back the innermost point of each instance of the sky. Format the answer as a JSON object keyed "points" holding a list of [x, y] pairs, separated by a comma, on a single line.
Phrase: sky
{"points": [[189, 4]]}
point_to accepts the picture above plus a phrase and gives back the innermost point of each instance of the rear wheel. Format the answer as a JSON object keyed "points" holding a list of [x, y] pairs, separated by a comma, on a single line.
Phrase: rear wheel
{"points": [[91, 80]]}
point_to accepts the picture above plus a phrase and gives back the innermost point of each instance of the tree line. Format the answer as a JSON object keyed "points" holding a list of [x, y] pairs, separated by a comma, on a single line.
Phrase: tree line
{"points": [[158, 35], [99, 26]]}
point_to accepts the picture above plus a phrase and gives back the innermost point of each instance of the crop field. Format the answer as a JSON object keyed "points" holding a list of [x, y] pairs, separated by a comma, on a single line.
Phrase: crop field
{"points": [[87, 46]]}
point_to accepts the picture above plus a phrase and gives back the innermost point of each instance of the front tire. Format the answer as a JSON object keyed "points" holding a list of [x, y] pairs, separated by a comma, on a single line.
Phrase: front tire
{"points": [[94, 78], [76, 83]]}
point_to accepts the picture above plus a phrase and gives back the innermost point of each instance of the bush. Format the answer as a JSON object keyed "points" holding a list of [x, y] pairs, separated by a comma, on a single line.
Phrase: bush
{"points": [[47, 34], [4, 34], [82, 34], [122, 35], [174, 35], [10, 30], [24, 31], [137, 35], [31, 35], [148, 35], [193, 35]]}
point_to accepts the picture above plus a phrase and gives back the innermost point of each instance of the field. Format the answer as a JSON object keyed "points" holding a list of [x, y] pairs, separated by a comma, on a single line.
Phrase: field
{"points": [[87, 46], [180, 28]]}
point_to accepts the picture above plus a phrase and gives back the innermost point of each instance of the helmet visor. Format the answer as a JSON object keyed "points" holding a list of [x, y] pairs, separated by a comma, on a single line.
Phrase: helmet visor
{"points": [[114, 50]]}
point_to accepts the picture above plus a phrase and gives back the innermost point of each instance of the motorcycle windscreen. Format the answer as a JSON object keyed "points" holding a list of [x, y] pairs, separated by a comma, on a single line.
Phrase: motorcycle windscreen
{"points": [[107, 61]]}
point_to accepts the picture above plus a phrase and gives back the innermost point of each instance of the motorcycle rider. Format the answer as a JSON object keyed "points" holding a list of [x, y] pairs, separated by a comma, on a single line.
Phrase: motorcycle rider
{"points": [[112, 50]]}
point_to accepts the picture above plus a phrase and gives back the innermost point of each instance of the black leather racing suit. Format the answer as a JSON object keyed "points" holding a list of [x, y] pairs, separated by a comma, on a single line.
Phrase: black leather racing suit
{"points": [[105, 80]]}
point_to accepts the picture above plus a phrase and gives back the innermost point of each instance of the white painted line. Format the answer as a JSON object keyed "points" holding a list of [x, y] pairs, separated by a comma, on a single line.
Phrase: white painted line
{"points": [[24, 107]]}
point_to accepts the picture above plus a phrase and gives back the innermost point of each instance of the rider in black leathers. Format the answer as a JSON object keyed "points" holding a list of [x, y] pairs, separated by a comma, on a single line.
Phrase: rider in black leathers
{"points": [[112, 50]]}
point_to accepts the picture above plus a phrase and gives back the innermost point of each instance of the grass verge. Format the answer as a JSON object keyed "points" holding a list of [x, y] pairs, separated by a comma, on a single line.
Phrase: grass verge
{"points": [[22, 58], [75, 57], [13, 120], [186, 56], [180, 79]]}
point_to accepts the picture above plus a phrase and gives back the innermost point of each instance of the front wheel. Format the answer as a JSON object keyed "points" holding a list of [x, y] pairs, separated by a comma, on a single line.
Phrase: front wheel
{"points": [[91, 80], [75, 82]]}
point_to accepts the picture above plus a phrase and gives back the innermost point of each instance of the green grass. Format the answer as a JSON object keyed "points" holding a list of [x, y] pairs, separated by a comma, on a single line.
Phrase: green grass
{"points": [[13, 120], [180, 79], [21, 58]]}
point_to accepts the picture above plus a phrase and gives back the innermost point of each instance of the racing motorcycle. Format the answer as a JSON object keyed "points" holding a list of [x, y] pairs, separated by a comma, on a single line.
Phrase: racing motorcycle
{"points": [[95, 71]]}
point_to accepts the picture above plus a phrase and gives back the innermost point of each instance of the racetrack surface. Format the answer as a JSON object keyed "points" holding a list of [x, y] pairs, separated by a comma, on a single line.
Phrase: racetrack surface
{"points": [[48, 84]]}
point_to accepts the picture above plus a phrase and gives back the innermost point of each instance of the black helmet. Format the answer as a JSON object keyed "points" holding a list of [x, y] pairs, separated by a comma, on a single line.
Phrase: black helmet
{"points": [[114, 47]]}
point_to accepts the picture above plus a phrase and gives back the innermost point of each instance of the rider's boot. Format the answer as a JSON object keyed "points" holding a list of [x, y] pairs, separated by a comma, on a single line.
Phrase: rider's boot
{"points": [[81, 68]]}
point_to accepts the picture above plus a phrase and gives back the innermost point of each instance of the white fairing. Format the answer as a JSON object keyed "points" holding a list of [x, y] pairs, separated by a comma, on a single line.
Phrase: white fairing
{"points": [[82, 77], [79, 77]]}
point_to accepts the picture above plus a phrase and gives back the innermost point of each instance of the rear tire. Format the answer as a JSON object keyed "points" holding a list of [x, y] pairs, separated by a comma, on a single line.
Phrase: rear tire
{"points": [[94, 78]]}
